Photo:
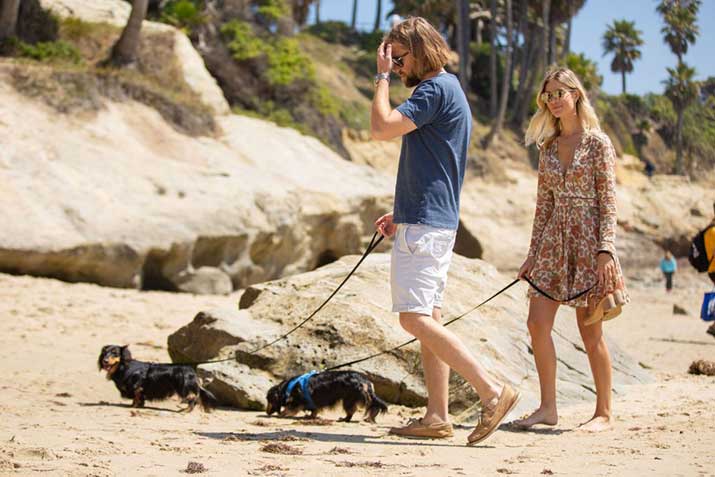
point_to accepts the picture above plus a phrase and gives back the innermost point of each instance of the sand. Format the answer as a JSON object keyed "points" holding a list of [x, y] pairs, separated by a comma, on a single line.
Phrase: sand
{"points": [[60, 416]]}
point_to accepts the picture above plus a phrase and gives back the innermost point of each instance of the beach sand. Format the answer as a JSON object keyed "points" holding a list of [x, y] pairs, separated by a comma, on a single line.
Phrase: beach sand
{"points": [[60, 416]]}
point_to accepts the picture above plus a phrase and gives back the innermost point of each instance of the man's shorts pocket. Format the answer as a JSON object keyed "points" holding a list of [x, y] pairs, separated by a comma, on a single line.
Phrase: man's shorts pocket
{"points": [[415, 241]]}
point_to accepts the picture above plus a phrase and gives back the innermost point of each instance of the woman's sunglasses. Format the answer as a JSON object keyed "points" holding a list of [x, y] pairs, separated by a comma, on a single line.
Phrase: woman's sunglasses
{"points": [[399, 61], [548, 96]]}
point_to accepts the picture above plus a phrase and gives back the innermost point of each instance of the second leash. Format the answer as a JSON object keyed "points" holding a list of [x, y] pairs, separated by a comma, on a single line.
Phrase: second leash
{"points": [[350, 363]]}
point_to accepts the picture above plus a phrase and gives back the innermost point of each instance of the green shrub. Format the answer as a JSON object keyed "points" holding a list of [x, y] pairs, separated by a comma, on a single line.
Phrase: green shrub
{"points": [[585, 69], [334, 32], [355, 115], [242, 41], [660, 109], [184, 14], [286, 63], [74, 28], [325, 102], [369, 41], [48, 51], [272, 10]]}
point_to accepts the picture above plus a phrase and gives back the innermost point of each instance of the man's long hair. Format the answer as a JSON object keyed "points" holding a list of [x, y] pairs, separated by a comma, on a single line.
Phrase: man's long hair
{"points": [[427, 46]]}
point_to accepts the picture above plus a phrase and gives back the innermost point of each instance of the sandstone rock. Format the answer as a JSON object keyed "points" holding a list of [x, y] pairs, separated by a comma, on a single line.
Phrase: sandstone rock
{"points": [[204, 280], [125, 200], [358, 322]]}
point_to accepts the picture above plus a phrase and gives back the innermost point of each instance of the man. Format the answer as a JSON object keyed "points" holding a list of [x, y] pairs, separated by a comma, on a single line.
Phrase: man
{"points": [[435, 125]]}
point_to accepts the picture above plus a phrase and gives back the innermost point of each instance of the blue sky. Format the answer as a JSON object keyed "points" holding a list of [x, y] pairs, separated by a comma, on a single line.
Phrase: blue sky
{"points": [[588, 28]]}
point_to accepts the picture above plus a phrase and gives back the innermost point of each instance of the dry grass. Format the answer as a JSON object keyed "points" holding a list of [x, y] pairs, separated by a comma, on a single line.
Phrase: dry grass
{"points": [[280, 448], [155, 79], [702, 366]]}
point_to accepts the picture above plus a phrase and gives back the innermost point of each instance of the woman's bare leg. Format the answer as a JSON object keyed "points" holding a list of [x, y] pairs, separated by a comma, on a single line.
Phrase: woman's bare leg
{"points": [[542, 312], [600, 361]]}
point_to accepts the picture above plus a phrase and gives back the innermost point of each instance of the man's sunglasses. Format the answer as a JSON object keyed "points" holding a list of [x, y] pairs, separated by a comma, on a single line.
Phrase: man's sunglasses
{"points": [[399, 61], [548, 96]]}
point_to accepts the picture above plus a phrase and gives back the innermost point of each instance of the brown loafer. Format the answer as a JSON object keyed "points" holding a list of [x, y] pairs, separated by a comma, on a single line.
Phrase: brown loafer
{"points": [[491, 418], [415, 428]]}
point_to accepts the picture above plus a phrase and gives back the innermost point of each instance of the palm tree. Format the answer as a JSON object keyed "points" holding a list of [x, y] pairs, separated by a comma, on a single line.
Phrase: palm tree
{"points": [[545, 19], [586, 70], [378, 16], [493, 93], [497, 125], [125, 49], [680, 29], [463, 36], [8, 17], [353, 20], [622, 39], [681, 90]]}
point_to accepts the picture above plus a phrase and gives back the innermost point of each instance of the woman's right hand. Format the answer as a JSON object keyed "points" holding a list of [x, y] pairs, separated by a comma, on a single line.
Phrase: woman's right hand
{"points": [[525, 269]]}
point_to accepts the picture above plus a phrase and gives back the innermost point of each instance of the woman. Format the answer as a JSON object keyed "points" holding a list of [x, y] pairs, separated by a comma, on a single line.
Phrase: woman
{"points": [[572, 257], [668, 266]]}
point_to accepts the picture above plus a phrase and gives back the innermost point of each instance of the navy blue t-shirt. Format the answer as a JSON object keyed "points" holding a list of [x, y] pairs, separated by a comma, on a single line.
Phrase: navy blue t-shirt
{"points": [[434, 155]]}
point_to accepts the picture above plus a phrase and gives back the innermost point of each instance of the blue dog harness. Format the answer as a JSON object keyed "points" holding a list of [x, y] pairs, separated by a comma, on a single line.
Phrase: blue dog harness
{"points": [[302, 381]]}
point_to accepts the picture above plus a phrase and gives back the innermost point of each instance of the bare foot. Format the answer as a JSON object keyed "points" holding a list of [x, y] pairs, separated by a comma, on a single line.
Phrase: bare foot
{"points": [[540, 416], [596, 424]]}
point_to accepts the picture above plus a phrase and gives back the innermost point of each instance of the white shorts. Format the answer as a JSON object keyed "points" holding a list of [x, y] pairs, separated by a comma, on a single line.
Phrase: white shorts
{"points": [[418, 272]]}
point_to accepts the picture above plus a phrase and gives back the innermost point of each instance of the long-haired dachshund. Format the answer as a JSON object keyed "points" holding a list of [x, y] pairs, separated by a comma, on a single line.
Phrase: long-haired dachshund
{"points": [[325, 390], [140, 381]]}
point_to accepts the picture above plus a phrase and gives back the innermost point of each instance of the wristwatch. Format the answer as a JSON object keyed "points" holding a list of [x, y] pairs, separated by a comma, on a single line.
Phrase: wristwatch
{"points": [[381, 76]]}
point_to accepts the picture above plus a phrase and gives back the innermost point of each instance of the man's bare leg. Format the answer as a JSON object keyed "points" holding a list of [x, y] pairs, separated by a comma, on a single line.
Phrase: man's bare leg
{"points": [[449, 349], [436, 373]]}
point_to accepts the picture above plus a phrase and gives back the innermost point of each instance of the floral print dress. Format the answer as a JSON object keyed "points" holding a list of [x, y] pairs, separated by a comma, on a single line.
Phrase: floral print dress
{"points": [[575, 218]]}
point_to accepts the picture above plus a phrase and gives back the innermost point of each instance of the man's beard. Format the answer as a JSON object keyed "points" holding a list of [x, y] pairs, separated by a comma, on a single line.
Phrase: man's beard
{"points": [[411, 81]]}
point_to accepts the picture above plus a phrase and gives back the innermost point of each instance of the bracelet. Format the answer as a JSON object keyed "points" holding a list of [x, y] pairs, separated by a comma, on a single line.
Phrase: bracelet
{"points": [[381, 76]]}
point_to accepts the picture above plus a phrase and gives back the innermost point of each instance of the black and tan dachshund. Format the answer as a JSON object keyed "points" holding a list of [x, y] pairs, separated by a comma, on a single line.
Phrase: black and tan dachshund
{"points": [[140, 381], [326, 390]]}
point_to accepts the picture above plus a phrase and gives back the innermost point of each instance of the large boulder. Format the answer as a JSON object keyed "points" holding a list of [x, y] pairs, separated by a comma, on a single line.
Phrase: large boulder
{"points": [[357, 322], [121, 198]]}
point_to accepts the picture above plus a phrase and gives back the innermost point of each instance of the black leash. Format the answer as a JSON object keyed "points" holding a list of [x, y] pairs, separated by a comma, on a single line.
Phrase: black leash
{"points": [[415, 339], [528, 280], [374, 242], [459, 317]]}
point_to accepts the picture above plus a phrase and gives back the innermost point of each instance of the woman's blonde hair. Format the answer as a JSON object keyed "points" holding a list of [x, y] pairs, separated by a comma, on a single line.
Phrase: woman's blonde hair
{"points": [[427, 46], [544, 127]]}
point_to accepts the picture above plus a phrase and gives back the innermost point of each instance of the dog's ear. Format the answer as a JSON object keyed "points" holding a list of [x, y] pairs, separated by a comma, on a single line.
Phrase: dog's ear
{"points": [[126, 355], [101, 355]]}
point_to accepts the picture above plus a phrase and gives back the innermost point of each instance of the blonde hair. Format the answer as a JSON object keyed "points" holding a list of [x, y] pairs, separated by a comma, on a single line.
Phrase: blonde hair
{"points": [[544, 127], [429, 49]]}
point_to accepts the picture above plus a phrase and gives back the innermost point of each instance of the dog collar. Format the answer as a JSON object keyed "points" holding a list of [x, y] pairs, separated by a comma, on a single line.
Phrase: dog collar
{"points": [[302, 381]]}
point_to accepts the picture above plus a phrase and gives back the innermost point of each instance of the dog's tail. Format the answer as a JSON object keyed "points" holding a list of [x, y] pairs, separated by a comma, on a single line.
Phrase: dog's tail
{"points": [[207, 400], [375, 405]]}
